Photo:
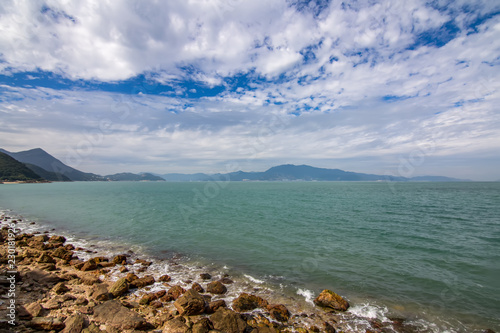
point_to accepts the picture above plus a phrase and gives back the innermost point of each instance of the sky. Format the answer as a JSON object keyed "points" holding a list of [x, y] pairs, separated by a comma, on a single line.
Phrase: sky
{"points": [[403, 88]]}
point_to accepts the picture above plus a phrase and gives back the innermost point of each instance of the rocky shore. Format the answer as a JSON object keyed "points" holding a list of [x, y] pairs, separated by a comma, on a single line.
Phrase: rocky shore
{"points": [[45, 286]]}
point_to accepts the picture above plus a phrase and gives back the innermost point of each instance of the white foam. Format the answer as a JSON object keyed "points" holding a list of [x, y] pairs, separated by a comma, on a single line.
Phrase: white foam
{"points": [[308, 295], [254, 280], [369, 311]]}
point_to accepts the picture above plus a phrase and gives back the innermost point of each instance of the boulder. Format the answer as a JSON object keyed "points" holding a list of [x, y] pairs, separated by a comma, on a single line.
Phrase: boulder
{"points": [[142, 282], [215, 305], [228, 321], [216, 287], [89, 280], [60, 288], [45, 258], [46, 323], [247, 302], [176, 291], [131, 277], [40, 238], [35, 309], [120, 259], [205, 276], [114, 314], [279, 312], [89, 265], [226, 280], [176, 325], [329, 299], [57, 239], [75, 323], [204, 325], [164, 278], [119, 288], [100, 293], [190, 303], [196, 286]]}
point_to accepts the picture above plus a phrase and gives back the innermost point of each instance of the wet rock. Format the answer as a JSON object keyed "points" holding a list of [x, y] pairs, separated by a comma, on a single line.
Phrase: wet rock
{"points": [[142, 282], [120, 259], [226, 280], [190, 303], [46, 323], [176, 325], [156, 304], [205, 276], [228, 321], [328, 328], [60, 288], [123, 269], [143, 262], [216, 287], [164, 278], [119, 288], [114, 314], [40, 238], [131, 277], [89, 265], [57, 239], [196, 286], [100, 293], [176, 291], [247, 302], [75, 323], [69, 247], [215, 305], [279, 312], [45, 258], [204, 325], [148, 298], [329, 299]]}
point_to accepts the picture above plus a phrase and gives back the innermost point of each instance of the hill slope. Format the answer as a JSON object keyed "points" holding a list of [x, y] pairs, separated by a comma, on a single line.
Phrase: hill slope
{"points": [[44, 160], [12, 170], [126, 176]]}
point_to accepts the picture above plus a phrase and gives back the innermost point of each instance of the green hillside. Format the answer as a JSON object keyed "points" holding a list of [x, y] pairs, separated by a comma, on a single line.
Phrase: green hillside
{"points": [[11, 170]]}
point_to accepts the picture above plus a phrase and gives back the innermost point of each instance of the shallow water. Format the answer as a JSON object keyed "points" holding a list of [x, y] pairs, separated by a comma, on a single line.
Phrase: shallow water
{"points": [[427, 251]]}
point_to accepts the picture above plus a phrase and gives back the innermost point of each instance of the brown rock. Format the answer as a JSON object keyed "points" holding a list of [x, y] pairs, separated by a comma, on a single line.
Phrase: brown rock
{"points": [[205, 276], [226, 280], [114, 314], [120, 259], [46, 259], [131, 277], [57, 239], [75, 323], [247, 302], [329, 299], [123, 269], [35, 309], [40, 238], [46, 323], [48, 267], [119, 288], [204, 325], [89, 265], [93, 328], [176, 325], [142, 282], [196, 286], [148, 298], [215, 305], [216, 287], [143, 262], [156, 304], [176, 291], [279, 312], [89, 280], [100, 293], [190, 303], [60, 288], [228, 321], [329, 328], [164, 278]]}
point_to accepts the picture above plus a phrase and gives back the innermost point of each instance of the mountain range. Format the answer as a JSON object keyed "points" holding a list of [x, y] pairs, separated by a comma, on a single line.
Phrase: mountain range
{"points": [[48, 167]]}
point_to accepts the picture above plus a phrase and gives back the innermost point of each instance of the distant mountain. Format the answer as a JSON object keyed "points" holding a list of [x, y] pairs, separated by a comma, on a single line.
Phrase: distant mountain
{"points": [[180, 177], [435, 179], [51, 176], [44, 160], [12, 170], [126, 176]]}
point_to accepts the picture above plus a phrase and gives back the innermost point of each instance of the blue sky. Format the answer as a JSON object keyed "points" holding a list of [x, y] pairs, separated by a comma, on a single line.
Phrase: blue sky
{"points": [[390, 87]]}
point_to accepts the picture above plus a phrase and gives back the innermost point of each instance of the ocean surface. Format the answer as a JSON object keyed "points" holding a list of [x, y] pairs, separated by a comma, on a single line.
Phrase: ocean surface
{"points": [[425, 251]]}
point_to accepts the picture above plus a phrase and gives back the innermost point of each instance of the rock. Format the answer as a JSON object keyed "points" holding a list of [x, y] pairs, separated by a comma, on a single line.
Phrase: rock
{"points": [[23, 313], [48, 267], [164, 278], [35, 309], [123, 269], [93, 328], [119, 288], [89, 265], [190, 303], [143, 262], [114, 314], [142, 282], [279, 312], [100, 293], [46, 259], [215, 305], [329, 299], [46, 323], [176, 291], [131, 277], [228, 321], [89, 280], [60, 288], [156, 304], [247, 302], [176, 325], [148, 298], [40, 238], [75, 323], [205, 276], [204, 325], [216, 287], [57, 239], [120, 259], [69, 247], [329, 328], [196, 286], [226, 280]]}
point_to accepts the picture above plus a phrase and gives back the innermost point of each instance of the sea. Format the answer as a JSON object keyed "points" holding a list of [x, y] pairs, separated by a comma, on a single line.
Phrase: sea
{"points": [[425, 251]]}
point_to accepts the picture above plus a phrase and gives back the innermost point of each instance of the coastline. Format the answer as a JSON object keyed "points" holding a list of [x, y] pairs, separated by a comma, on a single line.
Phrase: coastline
{"points": [[81, 290]]}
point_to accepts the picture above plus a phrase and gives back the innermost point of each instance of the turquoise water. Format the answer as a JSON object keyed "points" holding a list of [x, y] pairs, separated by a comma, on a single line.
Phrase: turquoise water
{"points": [[429, 250]]}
